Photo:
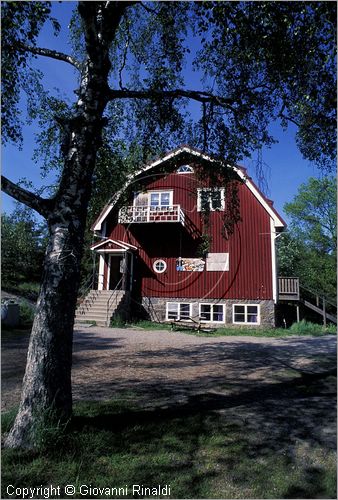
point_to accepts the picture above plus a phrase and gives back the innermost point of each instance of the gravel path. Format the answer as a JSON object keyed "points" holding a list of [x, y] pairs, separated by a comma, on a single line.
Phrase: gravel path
{"points": [[251, 382], [163, 367]]}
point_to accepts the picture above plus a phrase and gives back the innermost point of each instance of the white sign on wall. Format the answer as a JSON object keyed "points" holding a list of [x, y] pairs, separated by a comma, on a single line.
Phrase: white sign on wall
{"points": [[217, 262]]}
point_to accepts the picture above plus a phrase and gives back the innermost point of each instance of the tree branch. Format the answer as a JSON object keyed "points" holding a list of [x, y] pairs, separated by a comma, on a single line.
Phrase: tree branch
{"points": [[54, 54], [197, 95], [41, 205], [289, 119], [148, 9]]}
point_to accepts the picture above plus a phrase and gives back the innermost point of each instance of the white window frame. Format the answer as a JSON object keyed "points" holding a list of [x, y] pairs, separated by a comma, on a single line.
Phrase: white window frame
{"points": [[178, 304], [158, 261], [156, 191], [189, 171], [211, 320], [199, 200], [246, 322]]}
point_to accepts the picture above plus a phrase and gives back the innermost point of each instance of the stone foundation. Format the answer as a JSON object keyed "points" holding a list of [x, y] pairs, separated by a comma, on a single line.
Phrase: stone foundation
{"points": [[155, 308]]}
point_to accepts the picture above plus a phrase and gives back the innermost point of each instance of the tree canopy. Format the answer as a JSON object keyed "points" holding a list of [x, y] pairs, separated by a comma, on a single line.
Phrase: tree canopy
{"points": [[245, 64], [309, 249]]}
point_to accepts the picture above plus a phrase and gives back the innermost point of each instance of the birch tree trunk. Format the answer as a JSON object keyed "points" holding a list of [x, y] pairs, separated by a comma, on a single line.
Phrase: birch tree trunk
{"points": [[46, 388]]}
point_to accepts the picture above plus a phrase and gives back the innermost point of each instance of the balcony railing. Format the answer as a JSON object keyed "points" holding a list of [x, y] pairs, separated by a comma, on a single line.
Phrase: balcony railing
{"points": [[288, 288], [146, 214]]}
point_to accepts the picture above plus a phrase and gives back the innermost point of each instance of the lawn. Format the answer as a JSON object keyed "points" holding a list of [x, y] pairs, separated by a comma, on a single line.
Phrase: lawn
{"points": [[301, 328], [196, 451]]}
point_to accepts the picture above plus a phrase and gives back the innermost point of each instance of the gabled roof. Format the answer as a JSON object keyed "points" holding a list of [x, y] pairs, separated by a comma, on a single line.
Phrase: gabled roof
{"points": [[197, 154], [112, 245]]}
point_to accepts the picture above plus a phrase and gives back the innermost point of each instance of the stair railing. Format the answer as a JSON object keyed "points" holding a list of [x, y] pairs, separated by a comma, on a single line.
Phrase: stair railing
{"points": [[328, 300], [88, 285], [111, 297], [321, 305]]}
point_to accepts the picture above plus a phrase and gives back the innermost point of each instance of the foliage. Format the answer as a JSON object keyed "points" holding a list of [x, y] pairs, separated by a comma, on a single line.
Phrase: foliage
{"points": [[26, 314], [306, 327], [280, 58], [313, 214], [308, 250], [23, 247], [21, 24], [262, 61]]}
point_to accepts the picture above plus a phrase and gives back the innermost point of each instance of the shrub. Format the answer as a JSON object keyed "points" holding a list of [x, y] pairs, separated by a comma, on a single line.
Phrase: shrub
{"points": [[308, 328], [26, 314]]}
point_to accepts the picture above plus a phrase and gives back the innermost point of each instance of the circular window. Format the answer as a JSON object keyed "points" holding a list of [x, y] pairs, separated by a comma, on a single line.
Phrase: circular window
{"points": [[159, 266]]}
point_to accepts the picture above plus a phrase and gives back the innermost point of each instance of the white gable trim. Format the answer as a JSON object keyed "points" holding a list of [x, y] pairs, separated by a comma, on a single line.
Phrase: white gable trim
{"points": [[121, 244], [198, 154]]}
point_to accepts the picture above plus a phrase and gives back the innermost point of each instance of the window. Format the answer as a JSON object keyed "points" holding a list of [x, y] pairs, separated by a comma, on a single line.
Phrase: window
{"points": [[160, 199], [178, 311], [212, 312], [246, 314], [153, 199], [210, 199], [159, 266], [185, 169]]}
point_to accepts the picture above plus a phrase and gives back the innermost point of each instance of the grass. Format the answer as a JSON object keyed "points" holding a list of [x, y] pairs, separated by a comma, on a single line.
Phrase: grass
{"points": [[199, 454], [302, 328]]}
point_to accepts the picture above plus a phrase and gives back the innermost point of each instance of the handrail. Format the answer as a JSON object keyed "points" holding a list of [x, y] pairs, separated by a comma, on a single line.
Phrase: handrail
{"points": [[88, 285], [320, 295], [148, 213], [110, 298]]}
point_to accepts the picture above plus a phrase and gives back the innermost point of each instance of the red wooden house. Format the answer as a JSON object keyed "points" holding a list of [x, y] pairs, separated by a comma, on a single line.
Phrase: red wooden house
{"points": [[150, 255]]}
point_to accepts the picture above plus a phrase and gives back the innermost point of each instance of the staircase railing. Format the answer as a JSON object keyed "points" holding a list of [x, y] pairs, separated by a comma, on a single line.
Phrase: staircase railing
{"points": [[323, 305], [328, 300], [85, 299], [111, 297], [84, 290]]}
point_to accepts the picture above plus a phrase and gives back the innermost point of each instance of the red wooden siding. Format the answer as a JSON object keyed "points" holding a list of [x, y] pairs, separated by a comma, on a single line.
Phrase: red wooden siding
{"points": [[249, 248]]}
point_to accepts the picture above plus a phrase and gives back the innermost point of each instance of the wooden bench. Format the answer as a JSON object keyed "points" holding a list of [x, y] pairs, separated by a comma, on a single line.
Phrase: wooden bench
{"points": [[191, 324]]}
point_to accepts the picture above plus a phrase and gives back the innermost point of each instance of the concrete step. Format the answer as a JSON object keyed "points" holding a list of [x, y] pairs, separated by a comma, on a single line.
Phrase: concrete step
{"points": [[101, 303], [99, 306], [94, 306], [92, 317], [97, 310], [97, 322]]}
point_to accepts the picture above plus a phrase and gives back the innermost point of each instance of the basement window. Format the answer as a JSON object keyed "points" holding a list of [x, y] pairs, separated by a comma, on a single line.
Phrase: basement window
{"points": [[213, 313], [178, 311], [246, 314]]}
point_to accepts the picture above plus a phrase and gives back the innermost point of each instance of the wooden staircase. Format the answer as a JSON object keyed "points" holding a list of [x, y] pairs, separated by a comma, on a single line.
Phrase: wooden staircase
{"points": [[100, 306], [290, 290]]}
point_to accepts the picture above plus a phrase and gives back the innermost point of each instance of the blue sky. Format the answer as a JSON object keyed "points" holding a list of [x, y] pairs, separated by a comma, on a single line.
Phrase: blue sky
{"points": [[286, 168]]}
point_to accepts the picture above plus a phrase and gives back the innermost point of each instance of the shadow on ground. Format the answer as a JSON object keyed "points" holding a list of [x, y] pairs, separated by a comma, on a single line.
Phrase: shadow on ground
{"points": [[240, 419]]}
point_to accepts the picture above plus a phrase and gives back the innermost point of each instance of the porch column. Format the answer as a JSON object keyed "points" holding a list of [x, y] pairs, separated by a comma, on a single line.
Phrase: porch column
{"points": [[101, 273]]}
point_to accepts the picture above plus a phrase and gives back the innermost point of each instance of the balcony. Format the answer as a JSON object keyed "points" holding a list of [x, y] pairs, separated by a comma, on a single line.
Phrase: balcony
{"points": [[151, 214], [288, 288]]}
